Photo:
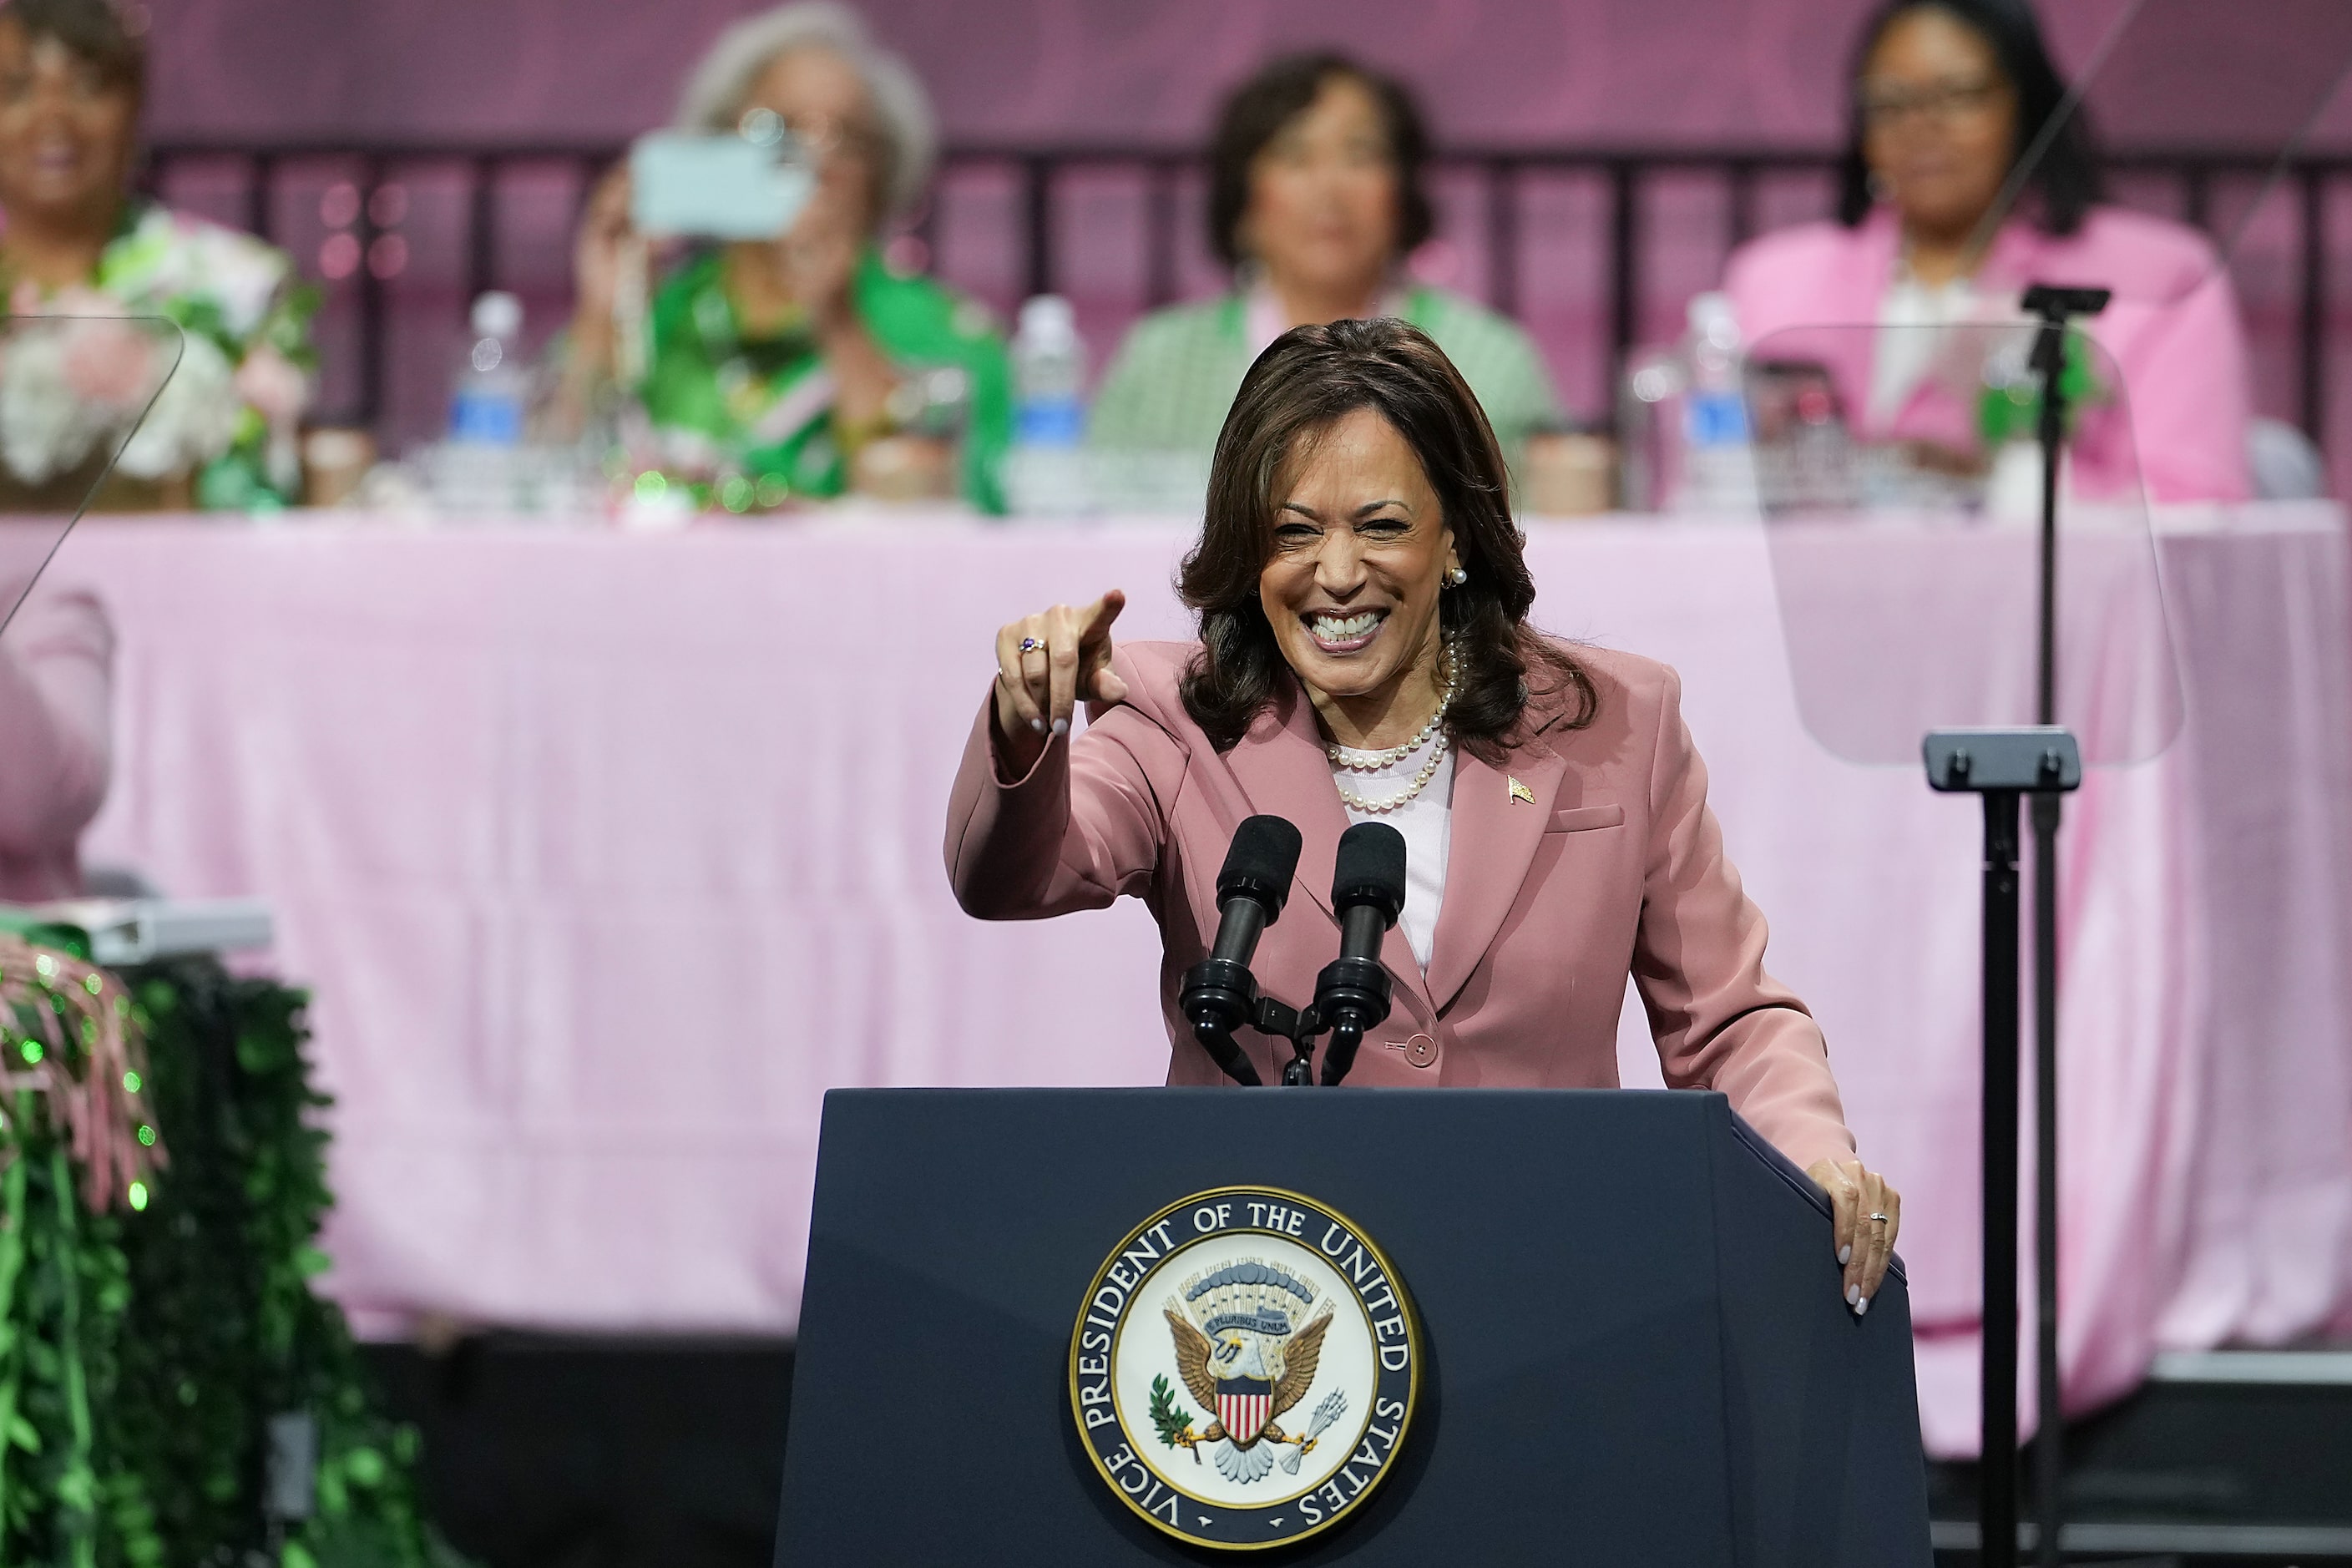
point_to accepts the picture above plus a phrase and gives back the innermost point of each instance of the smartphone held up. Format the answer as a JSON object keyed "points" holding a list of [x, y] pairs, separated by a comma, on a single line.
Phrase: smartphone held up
{"points": [[751, 183]]}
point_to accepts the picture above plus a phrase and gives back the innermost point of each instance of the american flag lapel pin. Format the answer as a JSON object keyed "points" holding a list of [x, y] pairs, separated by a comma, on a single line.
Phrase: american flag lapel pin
{"points": [[1520, 791]]}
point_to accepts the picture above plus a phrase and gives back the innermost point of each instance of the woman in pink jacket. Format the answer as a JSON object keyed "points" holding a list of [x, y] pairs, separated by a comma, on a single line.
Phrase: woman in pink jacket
{"points": [[1947, 95], [1365, 655]]}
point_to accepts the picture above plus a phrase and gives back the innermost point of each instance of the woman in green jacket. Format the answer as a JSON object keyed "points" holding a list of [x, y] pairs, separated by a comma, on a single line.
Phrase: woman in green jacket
{"points": [[1315, 198]]}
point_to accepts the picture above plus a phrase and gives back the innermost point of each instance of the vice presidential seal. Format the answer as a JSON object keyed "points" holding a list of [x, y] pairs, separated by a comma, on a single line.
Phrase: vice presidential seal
{"points": [[1245, 1368]]}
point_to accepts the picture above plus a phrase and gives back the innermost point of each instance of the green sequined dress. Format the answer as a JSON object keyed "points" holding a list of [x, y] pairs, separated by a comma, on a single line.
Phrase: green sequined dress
{"points": [[723, 401]]}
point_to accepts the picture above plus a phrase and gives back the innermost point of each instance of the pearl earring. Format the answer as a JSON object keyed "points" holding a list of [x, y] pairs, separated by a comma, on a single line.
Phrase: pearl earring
{"points": [[1457, 577]]}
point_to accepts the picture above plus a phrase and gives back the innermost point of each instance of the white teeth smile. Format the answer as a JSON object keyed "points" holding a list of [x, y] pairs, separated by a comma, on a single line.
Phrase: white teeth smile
{"points": [[1343, 628]]}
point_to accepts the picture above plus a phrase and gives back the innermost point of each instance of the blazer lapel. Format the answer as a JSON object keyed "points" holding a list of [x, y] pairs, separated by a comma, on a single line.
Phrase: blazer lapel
{"points": [[1282, 767], [1495, 831], [1284, 770]]}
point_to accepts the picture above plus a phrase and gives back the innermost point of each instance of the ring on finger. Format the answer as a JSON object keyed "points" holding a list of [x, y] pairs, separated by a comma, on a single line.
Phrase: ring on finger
{"points": [[1878, 1219], [1033, 645]]}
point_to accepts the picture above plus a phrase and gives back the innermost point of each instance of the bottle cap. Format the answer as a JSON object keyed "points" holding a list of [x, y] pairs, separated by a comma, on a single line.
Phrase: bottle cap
{"points": [[497, 314], [1712, 318], [1049, 317]]}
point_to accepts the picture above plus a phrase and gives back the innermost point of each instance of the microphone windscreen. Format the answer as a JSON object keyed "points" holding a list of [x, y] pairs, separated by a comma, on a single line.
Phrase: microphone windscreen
{"points": [[1263, 856], [1371, 869]]}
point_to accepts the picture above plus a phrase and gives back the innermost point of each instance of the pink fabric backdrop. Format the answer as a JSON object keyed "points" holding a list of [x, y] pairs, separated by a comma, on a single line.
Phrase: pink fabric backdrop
{"points": [[608, 854], [1507, 70]]}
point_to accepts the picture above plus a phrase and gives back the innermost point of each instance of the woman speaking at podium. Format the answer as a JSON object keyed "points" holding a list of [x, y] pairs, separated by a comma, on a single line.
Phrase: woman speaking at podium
{"points": [[1364, 653]]}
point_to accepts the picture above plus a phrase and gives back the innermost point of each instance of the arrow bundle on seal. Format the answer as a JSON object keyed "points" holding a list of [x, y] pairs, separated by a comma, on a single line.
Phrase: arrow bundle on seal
{"points": [[1334, 1405]]}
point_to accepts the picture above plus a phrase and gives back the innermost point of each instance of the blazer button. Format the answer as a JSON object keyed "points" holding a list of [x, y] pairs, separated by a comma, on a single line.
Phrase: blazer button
{"points": [[1421, 1050]]}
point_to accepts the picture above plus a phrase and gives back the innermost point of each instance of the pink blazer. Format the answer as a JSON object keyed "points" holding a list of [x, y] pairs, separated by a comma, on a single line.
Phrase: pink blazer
{"points": [[1617, 867], [2173, 332]]}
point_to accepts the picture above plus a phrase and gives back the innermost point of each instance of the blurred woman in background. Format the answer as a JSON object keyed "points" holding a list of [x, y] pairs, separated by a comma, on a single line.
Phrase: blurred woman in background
{"points": [[776, 361], [1315, 200], [1947, 95], [73, 76]]}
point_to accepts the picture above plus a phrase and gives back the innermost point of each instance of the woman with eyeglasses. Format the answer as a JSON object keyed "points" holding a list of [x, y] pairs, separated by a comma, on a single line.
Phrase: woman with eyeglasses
{"points": [[1948, 97], [765, 368]]}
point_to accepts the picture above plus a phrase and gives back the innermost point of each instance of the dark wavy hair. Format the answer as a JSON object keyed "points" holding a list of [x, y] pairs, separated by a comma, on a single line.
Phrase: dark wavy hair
{"points": [[2066, 181], [1255, 113], [109, 40], [1306, 381]]}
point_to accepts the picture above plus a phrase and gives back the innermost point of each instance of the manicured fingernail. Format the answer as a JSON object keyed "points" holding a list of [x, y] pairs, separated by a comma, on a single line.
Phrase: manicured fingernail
{"points": [[1845, 1255], [1853, 1294], [1061, 726], [1038, 725], [1861, 1306]]}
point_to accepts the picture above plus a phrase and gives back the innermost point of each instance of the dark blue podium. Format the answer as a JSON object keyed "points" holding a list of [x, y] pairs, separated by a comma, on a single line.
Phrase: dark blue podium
{"points": [[1634, 1348]]}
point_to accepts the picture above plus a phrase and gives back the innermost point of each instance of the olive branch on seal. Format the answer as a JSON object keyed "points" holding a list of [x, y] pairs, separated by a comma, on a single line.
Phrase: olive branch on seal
{"points": [[1167, 1415]]}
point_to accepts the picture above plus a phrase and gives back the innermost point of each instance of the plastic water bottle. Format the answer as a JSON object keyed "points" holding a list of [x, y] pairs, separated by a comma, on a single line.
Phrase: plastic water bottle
{"points": [[1049, 367], [493, 388], [1719, 470], [1047, 469]]}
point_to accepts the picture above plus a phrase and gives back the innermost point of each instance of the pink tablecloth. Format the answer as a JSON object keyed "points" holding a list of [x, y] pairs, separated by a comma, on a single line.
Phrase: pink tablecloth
{"points": [[606, 854]]}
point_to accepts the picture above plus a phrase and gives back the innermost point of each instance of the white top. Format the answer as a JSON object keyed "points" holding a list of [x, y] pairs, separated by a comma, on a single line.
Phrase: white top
{"points": [[1263, 320], [1910, 314], [1426, 822]]}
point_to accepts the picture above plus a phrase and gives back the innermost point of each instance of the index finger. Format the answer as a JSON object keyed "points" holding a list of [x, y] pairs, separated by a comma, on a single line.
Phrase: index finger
{"points": [[1097, 617]]}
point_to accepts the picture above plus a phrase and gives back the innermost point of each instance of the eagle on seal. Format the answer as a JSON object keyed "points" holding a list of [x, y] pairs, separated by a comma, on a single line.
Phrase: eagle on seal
{"points": [[1246, 1380]]}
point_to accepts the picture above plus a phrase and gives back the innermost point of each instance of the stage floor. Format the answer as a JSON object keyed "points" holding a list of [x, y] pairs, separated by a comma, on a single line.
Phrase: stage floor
{"points": [[545, 1452]]}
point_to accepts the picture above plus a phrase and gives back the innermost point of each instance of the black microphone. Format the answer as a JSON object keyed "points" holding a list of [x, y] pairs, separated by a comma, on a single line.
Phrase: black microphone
{"points": [[1219, 994], [1352, 995]]}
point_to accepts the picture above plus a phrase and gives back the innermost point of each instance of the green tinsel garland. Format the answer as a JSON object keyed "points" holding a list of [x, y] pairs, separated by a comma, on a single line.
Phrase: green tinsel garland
{"points": [[144, 1353], [69, 1493]]}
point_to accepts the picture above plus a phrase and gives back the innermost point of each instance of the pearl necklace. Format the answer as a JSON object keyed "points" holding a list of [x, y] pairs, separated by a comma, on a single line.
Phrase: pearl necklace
{"points": [[1355, 802], [1373, 762]]}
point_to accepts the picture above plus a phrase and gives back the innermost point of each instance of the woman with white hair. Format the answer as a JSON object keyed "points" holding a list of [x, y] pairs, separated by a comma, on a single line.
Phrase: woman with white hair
{"points": [[774, 362]]}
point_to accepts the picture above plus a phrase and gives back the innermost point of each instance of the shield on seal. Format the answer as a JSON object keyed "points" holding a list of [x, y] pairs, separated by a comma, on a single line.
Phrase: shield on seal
{"points": [[1244, 1404]]}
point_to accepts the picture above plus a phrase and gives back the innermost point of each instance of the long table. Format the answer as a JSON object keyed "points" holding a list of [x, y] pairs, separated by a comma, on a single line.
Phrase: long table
{"points": [[607, 854]]}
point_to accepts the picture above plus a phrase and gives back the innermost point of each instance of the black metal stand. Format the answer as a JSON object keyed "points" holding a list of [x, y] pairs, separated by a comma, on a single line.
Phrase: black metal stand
{"points": [[1997, 1396], [2049, 1436], [1221, 997], [2003, 766], [2055, 306]]}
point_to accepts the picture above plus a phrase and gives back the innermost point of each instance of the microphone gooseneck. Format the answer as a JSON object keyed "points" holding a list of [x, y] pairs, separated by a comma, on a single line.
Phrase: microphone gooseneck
{"points": [[1352, 995], [1220, 995]]}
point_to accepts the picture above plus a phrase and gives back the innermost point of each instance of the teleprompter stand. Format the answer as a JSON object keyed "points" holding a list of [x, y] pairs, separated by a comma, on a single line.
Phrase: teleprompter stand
{"points": [[2053, 307], [2004, 766], [1633, 1345]]}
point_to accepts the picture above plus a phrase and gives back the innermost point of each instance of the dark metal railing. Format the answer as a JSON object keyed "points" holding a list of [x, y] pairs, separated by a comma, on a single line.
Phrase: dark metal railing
{"points": [[1623, 173]]}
